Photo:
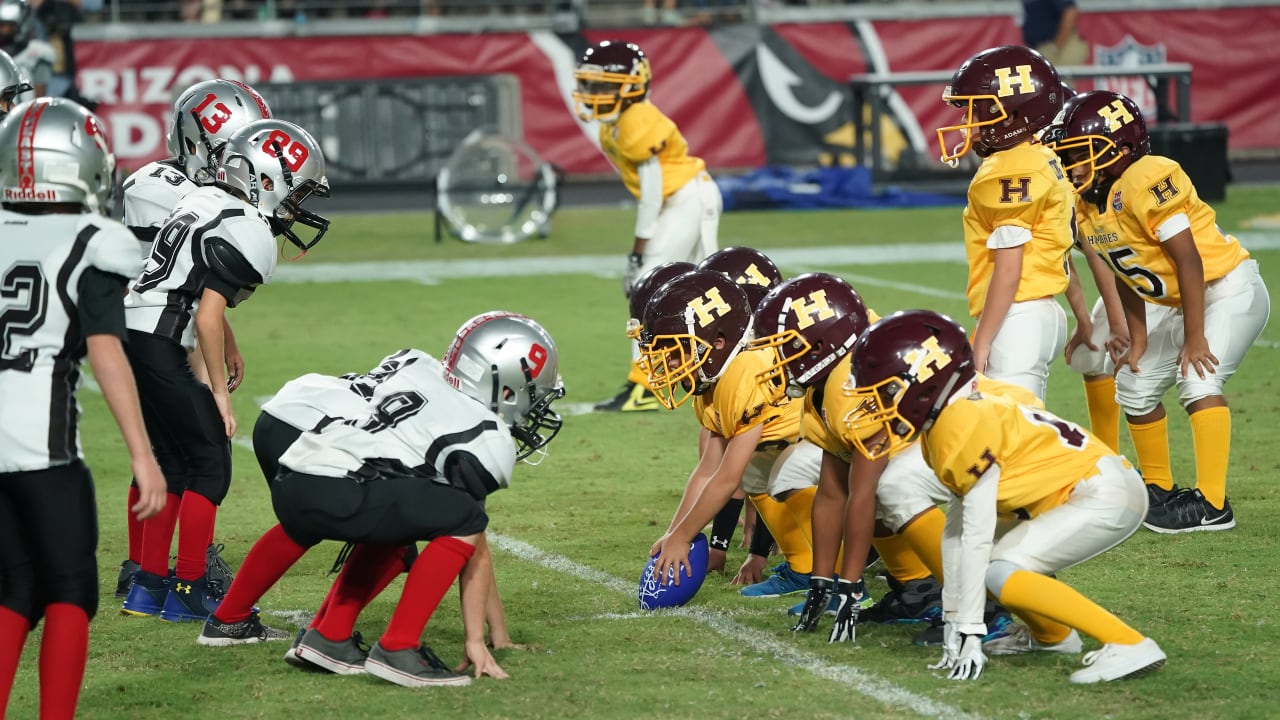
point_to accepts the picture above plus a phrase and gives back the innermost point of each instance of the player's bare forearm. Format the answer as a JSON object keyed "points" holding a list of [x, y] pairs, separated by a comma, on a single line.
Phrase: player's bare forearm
{"points": [[1135, 310], [721, 485], [474, 589], [1006, 274], [210, 340], [1075, 295], [1186, 257], [828, 514], [1105, 280], [860, 513]]}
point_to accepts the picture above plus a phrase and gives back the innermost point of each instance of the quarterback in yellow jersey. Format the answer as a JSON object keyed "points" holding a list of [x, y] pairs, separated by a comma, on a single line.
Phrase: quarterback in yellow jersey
{"points": [[1193, 299], [1031, 494], [692, 337], [1018, 223], [679, 205]]}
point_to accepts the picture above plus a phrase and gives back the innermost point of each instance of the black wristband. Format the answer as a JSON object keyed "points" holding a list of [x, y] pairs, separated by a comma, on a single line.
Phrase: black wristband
{"points": [[761, 539], [724, 525]]}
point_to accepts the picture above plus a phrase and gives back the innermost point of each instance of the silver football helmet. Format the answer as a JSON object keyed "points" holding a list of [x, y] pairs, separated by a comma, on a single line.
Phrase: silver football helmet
{"points": [[17, 22], [509, 363], [276, 165], [53, 150], [13, 82], [204, 117]]}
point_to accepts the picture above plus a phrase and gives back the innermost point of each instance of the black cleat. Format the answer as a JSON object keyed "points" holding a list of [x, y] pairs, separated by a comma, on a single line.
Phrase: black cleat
{"points": [[632, 398], [1188, 511]]}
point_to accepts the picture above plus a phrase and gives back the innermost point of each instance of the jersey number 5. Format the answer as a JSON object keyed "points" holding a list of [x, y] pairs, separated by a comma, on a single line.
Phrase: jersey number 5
{"points": [[25, 317], [1134, 271]]}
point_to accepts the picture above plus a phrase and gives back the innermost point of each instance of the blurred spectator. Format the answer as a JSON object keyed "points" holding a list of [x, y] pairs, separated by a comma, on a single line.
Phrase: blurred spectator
{"points": [[670, 16], [58, 17], [18, 37], [1050, 27]]}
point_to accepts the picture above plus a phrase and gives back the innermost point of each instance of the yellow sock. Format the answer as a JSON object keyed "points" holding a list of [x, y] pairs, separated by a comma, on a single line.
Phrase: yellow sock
{"points": [[1211, 437], [792, 539], [1104, 413], [899, 559], [1052, 604], [1151, 444], [924, 534], [800, 504]]}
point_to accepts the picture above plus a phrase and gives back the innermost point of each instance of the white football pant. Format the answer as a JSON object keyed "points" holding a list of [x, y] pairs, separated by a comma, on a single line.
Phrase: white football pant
{"points": [[1236, 309], [778, 471], [907, 487], [1031, 336]]}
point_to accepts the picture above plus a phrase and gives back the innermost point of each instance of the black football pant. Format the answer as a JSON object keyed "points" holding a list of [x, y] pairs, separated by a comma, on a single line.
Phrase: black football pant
{"points": [[48, 540], [389, 510], [186, 429]]}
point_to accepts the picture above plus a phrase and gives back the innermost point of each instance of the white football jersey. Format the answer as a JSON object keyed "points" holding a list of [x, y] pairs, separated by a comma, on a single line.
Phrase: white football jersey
{"points": [[150, 194], [413, 418], [41, 260], [36, 62], [307, 402], [163, 299]]}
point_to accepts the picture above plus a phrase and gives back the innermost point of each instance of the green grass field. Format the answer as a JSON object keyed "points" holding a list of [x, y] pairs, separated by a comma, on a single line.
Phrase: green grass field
{"points": [[572, 533]]}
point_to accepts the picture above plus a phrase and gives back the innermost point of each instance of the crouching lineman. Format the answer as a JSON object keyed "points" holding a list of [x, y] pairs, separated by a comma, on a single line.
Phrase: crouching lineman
{"points": [[495, 387], [65, 267], [692, 343], [912, 377]]}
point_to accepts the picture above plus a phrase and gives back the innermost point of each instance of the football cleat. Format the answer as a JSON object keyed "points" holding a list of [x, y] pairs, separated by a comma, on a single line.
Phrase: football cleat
{"points": [[915, 601], [412, 667], [1118, 662], [217, 571], [342, 657], [785, 581], [250, 630], [1188, 511], [1019, 641], [291, 655], [124, 580], [189, 601], [633, 397], [147, 595], [997, 618]]}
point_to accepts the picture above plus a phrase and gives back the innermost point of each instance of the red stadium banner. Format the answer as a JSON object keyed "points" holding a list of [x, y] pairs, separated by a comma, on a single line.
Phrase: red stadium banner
{"points": [[743, 95]]}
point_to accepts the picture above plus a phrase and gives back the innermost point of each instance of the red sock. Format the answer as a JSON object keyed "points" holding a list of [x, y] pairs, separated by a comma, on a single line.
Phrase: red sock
{"points": [[134, 525], [368, 570], [432, 575], [63, 652], [196, 518], [268, 560], [157, 536], [13, 634]]}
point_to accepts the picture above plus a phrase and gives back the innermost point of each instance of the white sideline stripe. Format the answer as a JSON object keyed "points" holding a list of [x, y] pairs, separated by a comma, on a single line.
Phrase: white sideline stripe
{"points": [[434, 271], [855, 679]]}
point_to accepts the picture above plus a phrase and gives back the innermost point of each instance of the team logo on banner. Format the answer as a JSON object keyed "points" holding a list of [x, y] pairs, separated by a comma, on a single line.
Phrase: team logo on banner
{"points": [[1129, 53]]}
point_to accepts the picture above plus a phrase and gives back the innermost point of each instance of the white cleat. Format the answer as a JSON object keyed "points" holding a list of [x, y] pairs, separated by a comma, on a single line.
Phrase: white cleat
{"points": [[1019, 641], [1117, 662]]}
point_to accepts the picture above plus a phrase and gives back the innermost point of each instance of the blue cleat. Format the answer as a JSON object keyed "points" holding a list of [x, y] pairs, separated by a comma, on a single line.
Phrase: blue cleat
{"points": [[784, 582], [146, 595], [189, 601]]}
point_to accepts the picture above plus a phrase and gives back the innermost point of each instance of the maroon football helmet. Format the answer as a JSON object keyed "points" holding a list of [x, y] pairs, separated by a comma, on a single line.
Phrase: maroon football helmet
{"points": [[811, 321], [692, 329], [1091, 132], [646, 286], [751, 269], [611, 75], [1008, 93], [904, 369]]}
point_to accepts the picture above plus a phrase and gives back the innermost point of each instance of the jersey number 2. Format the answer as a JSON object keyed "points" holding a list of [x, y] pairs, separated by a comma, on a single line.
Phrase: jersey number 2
{"points": [[25, 317]]}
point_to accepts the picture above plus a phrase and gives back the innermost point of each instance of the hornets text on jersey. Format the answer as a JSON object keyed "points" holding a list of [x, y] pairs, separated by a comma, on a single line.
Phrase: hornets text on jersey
{"points": [[164, 296], [1126, 230], [642, 132], [44, 259], [150, 194], [1022, 187], [413, 423]]}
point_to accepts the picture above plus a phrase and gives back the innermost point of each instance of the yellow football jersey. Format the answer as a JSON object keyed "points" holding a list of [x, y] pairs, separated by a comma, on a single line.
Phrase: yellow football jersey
{"points": [[736, 403], [1123, 231], [1024, 187], [641, 132], [1041, 456]]}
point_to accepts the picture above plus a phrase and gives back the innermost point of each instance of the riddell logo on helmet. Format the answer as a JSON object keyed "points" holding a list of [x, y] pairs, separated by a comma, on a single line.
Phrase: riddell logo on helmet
{"points": [[30, 195]]}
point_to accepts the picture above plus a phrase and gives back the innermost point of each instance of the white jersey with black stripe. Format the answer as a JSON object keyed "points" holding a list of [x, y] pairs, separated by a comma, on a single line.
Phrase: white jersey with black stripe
{"points": [[41, 261], [163, 299], [150, 194], [413, 421]]}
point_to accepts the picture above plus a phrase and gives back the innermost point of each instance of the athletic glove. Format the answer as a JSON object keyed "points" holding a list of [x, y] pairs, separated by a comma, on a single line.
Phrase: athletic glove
{"points": [[961, 654], [815, 603], [850, 596], [629, 276]]}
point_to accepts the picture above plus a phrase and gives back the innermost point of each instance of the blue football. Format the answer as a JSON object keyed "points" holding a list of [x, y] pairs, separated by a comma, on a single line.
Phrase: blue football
{"points": [[654, 595]]}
